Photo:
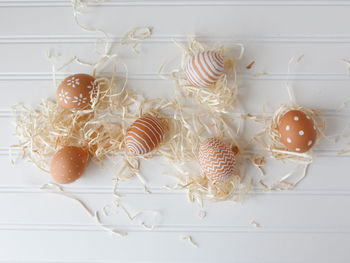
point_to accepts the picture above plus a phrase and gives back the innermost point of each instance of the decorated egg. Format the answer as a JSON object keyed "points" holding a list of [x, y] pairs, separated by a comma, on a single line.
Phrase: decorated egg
{"points": [[298, 131], [145, 134], [216, 159], [68, 164], [74, 92], [204, 69]]}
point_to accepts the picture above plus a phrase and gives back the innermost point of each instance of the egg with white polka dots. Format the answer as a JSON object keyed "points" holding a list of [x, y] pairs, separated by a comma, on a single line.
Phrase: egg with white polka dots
{"points": [[75, 91], [297, 131], [68, 164]]}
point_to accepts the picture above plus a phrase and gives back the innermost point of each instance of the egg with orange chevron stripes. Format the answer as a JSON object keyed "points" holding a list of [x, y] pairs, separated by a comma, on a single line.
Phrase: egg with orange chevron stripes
{"points": [[216, 159], [204, 69], [144, 135]]}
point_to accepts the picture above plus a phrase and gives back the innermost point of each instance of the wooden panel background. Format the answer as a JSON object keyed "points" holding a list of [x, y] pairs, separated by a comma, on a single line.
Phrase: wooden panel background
{"points": [[309, 224]]}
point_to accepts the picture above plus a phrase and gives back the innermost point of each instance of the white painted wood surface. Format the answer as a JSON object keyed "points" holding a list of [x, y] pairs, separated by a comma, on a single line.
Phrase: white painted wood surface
{"points": [[308, 224]]}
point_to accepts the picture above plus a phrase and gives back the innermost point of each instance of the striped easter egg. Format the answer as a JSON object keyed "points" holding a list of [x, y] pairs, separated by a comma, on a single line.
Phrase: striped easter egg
{"points": [[204, 69], [216, 159], [144, 135]]}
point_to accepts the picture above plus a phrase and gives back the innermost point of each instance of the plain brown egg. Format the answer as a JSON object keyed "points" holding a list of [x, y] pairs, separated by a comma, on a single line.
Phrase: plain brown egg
{"points": [[68, 164], [74, 92], [298, 131]]}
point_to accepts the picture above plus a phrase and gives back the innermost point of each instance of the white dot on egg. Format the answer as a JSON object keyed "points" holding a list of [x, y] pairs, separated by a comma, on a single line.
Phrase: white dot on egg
{"points": [[297, 149], [301, 132], [70, 171], [63, 166], [71, 158], [289, 140], [296, 118], [287, 128], [309, 143]]}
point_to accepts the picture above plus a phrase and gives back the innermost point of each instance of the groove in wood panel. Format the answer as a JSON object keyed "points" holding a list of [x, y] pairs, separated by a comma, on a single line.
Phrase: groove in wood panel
{"points": [[15, 76], [141, 3], [7, 113], [99, 190], [329, 153], [60, 39], [175, 228]]}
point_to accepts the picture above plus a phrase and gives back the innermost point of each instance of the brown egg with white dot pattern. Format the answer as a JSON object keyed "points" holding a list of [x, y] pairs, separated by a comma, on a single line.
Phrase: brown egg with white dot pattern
{"points": [[298, 131], [68, 164]]}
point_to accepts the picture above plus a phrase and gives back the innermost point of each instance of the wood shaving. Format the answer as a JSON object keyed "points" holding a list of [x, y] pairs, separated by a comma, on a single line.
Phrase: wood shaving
{"points": [[202, 214], [347, 64], [266, 188], [192, 123], [135, 35], [57, 189], [254, 223], [299, 58], [251, 64], [276, 148], [107, 228], [190, 241], [260, 74], [343, 152]]}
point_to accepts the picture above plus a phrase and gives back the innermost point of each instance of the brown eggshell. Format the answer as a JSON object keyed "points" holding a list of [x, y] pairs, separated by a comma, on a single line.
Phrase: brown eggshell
{"points": [[216, 159], [144, 135], [68, 164], [204, 69], [74, 92], [298, 131]]}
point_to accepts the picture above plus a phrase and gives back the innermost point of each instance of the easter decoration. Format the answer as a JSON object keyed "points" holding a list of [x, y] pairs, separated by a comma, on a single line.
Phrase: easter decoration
{"points": [[290, 133], [89, 122], [210, 148]]}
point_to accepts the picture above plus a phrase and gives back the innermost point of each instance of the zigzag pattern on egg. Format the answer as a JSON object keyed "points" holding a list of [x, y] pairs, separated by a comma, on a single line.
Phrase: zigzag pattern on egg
{"points": [[217, 160], [144, 135], [204, 69]]}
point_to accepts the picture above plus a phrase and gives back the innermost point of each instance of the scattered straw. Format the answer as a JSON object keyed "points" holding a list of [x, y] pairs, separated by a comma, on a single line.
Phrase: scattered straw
{"points": [[107, 228], [300, 58], [57, 189], [259, 74], [342, 152], [254, 223], [191, 123], [221, 96], [276, 148], [250, 65], [202, 214], [135, 35], [347, 64], [189, 239], [269, 139], [116, 204]]}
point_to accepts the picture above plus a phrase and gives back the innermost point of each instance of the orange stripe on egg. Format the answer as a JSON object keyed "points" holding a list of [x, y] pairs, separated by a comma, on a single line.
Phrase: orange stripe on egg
{"points": [[204, 69], [144, 135]]}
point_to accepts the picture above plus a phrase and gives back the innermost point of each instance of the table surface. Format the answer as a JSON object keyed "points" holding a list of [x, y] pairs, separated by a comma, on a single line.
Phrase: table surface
{"points": [[308, 224]]}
